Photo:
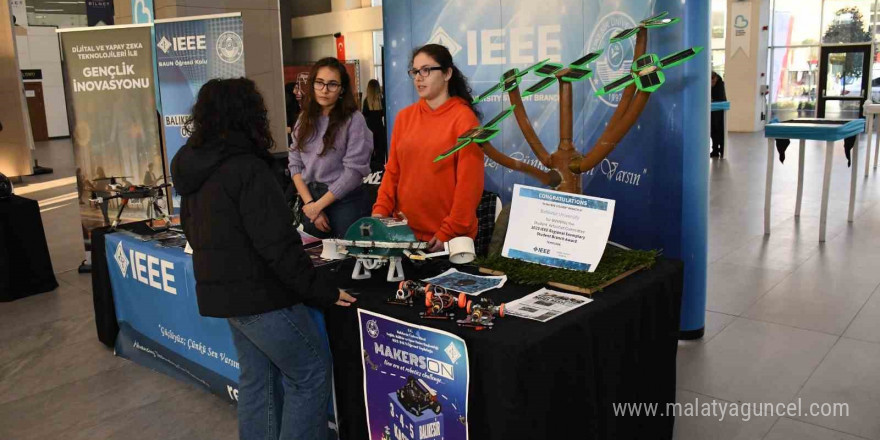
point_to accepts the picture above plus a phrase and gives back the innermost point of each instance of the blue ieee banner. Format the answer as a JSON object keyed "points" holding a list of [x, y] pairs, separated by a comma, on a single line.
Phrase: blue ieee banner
{"points": [[415, 380], [154, 293], [160, 326], [190, 51], [658, 174]]}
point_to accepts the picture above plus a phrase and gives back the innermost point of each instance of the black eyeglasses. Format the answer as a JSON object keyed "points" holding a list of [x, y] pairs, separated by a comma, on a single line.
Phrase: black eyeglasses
{"points": [[331, 86], [423, 72]]}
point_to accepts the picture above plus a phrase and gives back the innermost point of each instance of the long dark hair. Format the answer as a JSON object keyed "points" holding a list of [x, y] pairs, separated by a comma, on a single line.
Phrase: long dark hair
{"points": [[374, 95], [225, 106], [311, 110], [458, 84]]}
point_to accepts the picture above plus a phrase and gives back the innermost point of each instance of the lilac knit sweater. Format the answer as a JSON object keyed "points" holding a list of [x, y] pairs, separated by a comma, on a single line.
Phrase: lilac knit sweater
{"points": [[342, 168]]}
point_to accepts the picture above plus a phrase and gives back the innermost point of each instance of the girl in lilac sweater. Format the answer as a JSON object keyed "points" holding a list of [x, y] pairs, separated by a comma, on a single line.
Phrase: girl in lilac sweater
{"points": [[330, 153]]}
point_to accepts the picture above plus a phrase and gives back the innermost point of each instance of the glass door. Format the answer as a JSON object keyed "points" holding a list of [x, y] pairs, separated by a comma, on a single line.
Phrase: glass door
{"points": [[844, 73]]}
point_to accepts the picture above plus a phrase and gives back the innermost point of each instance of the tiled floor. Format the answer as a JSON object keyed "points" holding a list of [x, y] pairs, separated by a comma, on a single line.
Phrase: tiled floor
{"points": [[788, 320]]}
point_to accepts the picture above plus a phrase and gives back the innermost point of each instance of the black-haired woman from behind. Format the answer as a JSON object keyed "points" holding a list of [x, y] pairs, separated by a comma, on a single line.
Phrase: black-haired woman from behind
{"points": [[250, 266]]}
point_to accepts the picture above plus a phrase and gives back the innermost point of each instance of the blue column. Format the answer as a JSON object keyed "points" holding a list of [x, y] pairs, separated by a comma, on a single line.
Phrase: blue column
{"points": [[695, 166]]}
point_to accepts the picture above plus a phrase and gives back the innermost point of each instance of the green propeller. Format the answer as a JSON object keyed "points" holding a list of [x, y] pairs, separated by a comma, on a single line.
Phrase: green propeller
{"points": [[656, 21], [509, 80], [479, 135], [647, 71]]}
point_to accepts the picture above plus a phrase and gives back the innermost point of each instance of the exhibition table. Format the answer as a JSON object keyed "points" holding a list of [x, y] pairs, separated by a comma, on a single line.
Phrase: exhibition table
{"points": [[25, 265], [530, 380], [152, 290], [871, 110], [723, 106], [826, 130]]}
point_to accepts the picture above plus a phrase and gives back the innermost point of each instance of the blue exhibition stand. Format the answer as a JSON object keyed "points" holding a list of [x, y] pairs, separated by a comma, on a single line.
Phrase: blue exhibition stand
{"points": [[658, 174], [160, 326]]}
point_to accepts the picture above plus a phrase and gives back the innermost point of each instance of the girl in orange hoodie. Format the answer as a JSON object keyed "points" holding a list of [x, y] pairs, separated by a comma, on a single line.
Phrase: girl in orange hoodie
{"points": [[439, 199]]}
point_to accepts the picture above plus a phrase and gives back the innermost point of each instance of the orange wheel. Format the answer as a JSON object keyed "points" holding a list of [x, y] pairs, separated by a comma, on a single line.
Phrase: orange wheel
{"points": [[427, 287], [428, 297], [462, 300], [501, 311], [400, 286], [469, 303]]}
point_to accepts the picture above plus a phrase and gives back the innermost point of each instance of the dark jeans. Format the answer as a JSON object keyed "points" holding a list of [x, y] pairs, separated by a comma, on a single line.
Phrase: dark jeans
{"points": [[341, 214], [284, 385]]}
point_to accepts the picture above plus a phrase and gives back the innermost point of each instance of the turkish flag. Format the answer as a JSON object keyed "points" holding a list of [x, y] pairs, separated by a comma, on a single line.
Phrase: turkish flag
{"points": [[340, 47]]}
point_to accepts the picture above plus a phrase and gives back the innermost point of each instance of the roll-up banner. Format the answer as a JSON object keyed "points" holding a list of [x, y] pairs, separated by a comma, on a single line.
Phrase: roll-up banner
{"points": [[189, 52], [108, 81]]}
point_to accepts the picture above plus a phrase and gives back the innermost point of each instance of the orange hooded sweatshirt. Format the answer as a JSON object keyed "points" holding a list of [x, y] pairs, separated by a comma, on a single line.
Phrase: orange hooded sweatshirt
{"points": [[438, 198]]}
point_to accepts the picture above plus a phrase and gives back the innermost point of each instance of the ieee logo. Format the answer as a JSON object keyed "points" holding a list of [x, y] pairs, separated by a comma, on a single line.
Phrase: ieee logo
{"points": [[121, 260], [146, 269], [373, 328], [617, 58], [453, 353], [229, 47], [442, 38], [164, 44]]}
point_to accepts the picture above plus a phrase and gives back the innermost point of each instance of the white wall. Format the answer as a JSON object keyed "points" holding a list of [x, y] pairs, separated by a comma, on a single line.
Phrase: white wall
{"points": [[39, 50], [743, 74], [312, 49], [359, 46], [355, 19]]}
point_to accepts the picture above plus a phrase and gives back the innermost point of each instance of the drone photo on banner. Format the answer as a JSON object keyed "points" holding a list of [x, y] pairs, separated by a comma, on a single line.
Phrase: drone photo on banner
{"points": [[111, 91]]}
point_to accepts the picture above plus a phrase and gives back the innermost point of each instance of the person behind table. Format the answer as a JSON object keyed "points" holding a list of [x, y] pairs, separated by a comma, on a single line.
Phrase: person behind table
{"points": [[291, 104], [250, 266], [716, 129], [439, 199], [330, 153], [374, 113]]}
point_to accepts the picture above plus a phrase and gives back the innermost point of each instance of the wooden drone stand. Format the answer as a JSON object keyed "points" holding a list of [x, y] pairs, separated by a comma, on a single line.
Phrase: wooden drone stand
{"points": [[566, 164]]}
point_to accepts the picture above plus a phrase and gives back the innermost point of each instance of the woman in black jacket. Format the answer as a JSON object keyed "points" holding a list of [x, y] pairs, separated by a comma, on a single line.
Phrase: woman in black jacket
{"points": [[250, 266]]}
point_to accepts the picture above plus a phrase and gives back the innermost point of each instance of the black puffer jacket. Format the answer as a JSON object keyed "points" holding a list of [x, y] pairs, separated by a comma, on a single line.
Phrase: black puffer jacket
{"points": [[247, 257]]}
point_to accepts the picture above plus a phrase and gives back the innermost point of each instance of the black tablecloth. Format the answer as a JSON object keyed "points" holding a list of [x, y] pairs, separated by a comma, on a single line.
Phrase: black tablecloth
{"points": [[532, 380], [25, 266], [102, 292]]}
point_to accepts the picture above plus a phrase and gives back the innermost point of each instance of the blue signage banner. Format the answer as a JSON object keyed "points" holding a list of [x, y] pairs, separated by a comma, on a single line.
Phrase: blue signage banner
{"points": [[189, 52], [658, 174], [159, 321], [154, 293], [415, 380]]}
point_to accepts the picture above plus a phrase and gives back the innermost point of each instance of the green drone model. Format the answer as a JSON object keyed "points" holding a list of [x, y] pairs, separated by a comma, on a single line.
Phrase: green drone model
{"points": [[566, 164]]}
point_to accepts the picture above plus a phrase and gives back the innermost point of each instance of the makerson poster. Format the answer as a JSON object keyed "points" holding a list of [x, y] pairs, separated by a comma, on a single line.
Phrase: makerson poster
{"points": [[189, 52], [109, 86], [415, 380]]}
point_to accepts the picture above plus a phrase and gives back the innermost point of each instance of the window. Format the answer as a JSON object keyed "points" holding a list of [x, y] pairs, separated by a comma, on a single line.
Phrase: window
{"points": [[846, 21], [378, 44], [718, 24], [798, 30], [794, 82], [796, 22]]}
